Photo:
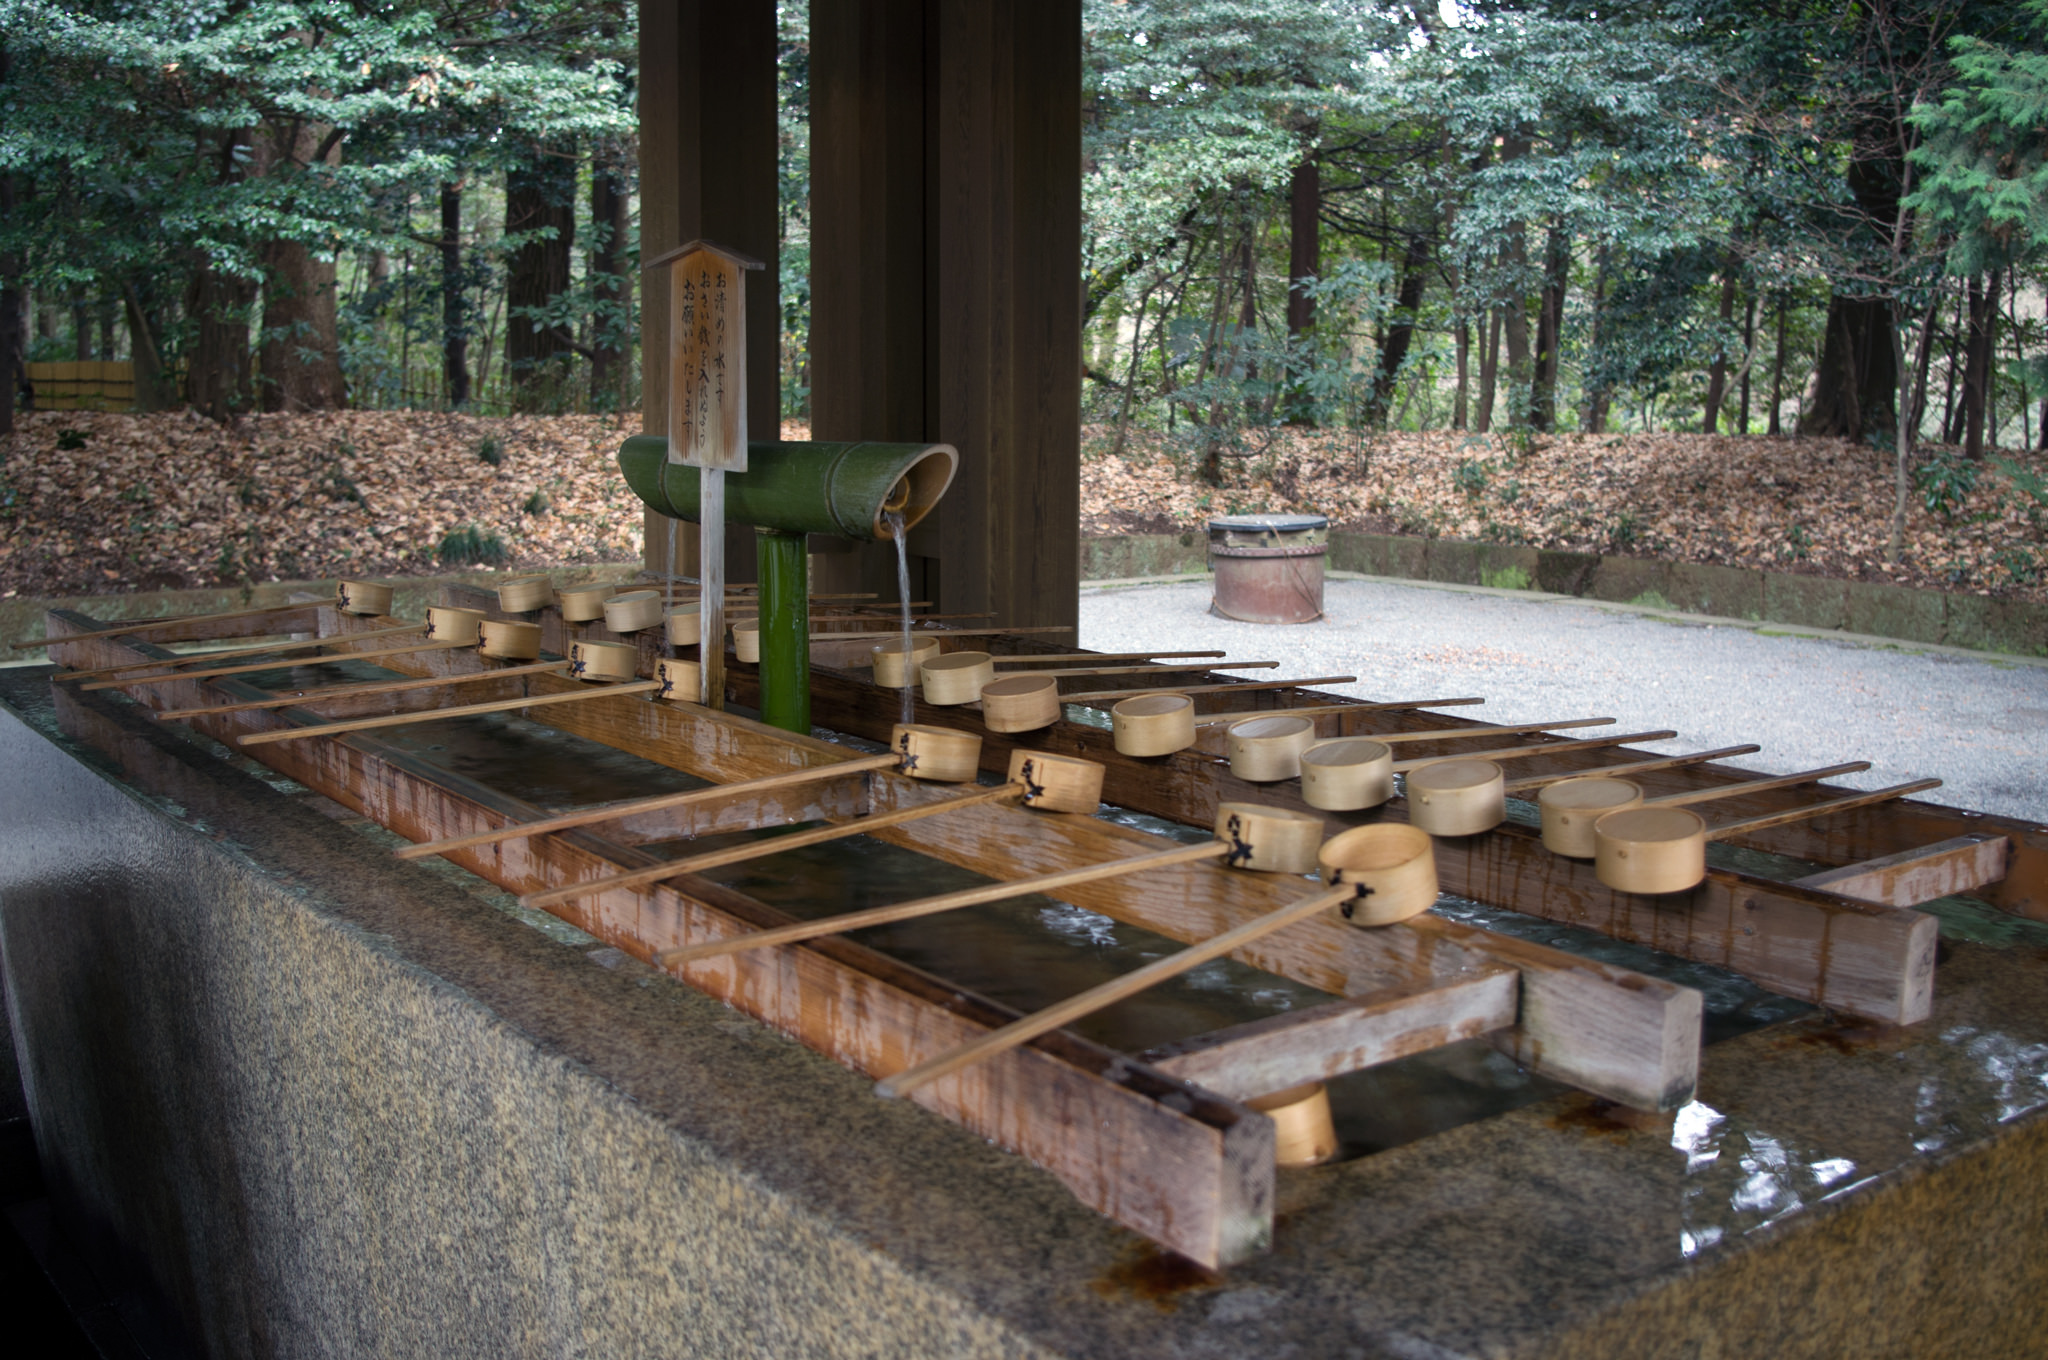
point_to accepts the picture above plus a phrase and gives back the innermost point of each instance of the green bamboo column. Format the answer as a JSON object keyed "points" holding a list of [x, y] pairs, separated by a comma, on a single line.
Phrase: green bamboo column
{"points": [[785, 630]]}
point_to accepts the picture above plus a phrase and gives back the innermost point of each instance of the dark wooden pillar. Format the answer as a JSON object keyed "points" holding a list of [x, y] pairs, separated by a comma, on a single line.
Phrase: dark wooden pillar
{"points": [[707, 170], [945, 281]]}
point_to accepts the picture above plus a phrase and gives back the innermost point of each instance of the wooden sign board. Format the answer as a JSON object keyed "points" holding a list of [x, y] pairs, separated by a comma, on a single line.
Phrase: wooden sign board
{"points": [[707, 393]]}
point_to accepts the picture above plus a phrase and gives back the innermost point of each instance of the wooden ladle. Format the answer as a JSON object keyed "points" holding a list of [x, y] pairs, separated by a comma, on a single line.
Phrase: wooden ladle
{"points": [[1570, 807], [1664, 849]]}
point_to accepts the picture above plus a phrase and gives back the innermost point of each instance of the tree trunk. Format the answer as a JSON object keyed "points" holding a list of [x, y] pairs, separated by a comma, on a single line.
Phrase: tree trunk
{"points": [[1857, 379], [1748, 348], [1400, 329], [1304, 243], [300, 354], [1557, 268], [1778, 368], [1464, 373], [1489, 372], [540, 206], [608, 269], [1983, 306], [454, 314], [148, 359], [1598, 394], [1717, 375], [217, 376]]}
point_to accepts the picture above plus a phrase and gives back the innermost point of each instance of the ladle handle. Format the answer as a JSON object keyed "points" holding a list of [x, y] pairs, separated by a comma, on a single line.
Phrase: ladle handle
{"points": [[1547, 748], [435, 714], [1509, 730], [1111, 695], [1755, 785], [317, 693], [931, 906], [612, 811], [251, 667], [252, 649], [1319, 710], [1764, 823], [134, 626], [1633, 767], [1024, 1030], [773, 845]]}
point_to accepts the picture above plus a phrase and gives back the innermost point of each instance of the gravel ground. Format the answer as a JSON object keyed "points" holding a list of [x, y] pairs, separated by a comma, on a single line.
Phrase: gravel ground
{"points": [[1979, 723]]}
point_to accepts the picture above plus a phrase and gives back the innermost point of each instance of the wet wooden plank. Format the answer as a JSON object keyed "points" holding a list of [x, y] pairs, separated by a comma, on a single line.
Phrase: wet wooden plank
{"points": [[1176, 1163], [1321, 1042], [1962, 865], [1607, 1030]]}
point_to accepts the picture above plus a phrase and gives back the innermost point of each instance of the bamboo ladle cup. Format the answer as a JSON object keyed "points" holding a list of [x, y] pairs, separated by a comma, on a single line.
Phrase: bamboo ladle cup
{"points": [[1465, 795], [436, 714], [250, 667], [1024, 1030], [607, 812], [153, 664], [1664, 849], [366, 687], [1570, 807]]}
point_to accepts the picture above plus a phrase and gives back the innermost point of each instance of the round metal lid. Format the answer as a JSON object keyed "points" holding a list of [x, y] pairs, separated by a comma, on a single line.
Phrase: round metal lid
{"points": [[1279, 524]]}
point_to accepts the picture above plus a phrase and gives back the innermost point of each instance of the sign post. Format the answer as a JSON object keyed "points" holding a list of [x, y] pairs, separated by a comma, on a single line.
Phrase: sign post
{"points": [[707, 414]]}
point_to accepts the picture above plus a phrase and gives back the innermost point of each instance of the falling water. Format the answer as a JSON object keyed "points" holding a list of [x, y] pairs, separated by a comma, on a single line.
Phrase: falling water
{"points": [[894, 519]]}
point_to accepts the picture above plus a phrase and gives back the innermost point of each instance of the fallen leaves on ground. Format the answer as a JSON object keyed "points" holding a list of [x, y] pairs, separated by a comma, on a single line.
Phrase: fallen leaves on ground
{"points": [[173, 500], [1815, 506]]}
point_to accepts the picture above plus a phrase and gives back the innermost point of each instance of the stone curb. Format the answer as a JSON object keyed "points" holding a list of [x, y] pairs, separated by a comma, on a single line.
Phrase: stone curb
{"points": [[1746, 597], [21, 619]]}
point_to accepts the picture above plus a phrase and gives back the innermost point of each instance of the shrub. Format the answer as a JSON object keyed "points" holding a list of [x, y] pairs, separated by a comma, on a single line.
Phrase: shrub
{"points": [[1945, 481], [490, 449], [472, 545]]}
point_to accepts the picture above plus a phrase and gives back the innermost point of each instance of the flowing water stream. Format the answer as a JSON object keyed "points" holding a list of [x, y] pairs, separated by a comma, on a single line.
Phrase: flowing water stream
{"points": [[894, 519]]}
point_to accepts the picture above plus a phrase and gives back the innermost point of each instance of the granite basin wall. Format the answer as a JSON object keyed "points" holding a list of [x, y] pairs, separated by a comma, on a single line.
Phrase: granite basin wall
{"points": [[249, 1088]]}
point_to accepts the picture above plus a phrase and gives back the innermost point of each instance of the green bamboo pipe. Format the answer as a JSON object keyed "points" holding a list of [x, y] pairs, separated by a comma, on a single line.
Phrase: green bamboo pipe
{"points": [[788, 491], [841, 489], [785, 624]]}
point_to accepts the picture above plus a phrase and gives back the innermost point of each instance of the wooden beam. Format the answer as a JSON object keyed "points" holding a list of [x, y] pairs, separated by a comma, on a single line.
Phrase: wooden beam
{"points": [[1961, 865], [1321, 1042], [1176, 1163]]}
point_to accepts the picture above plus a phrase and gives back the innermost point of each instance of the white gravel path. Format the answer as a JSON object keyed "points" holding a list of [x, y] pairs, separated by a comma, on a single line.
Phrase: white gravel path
{"points": [[1978, 722]]}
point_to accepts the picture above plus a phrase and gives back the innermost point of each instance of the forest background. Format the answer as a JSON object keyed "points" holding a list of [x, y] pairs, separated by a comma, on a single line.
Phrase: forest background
{"points": [[1711, 278]]}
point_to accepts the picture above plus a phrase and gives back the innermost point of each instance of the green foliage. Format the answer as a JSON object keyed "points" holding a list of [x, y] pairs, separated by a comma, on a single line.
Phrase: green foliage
{"points": [[537, 503], [172, 157], [490, 449], [1470, 477], [1506, 578], [71, 439], [1982, 152], [472, 545], [1945, 481]]}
